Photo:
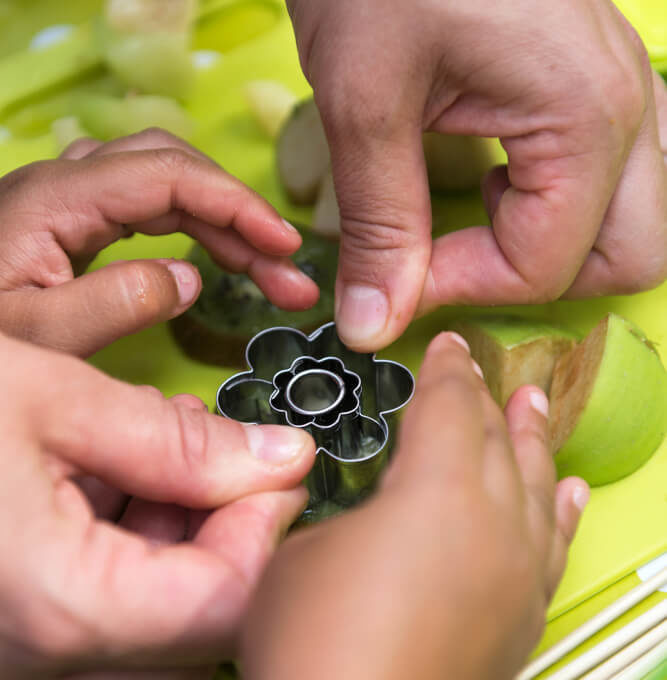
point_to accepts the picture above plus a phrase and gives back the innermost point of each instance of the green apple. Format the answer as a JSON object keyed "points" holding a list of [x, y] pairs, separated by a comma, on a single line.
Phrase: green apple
{"points": [[608, 403]]}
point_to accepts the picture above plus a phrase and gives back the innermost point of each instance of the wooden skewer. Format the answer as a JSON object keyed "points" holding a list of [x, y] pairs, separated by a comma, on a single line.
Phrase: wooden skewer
{"points": [[593, 625], [644, 664], [654, 638], [615, 642]]}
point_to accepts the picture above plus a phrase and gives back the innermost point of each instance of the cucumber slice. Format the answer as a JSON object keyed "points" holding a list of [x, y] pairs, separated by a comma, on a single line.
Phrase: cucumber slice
{"points": [[608, 403], [513, 351], [232, 309]]}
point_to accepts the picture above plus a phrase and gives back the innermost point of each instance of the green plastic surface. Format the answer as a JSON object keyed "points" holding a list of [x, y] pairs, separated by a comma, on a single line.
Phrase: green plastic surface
{"points": [[625, 524]]}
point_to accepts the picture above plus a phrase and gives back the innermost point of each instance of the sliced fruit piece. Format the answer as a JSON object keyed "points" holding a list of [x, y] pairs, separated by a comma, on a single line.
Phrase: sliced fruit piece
{"points": [[514, 351], [152, 63], [37, 116], [148, 16], [303, 153], [608, 403], [66, 130], [232, 309], [456, 163], [29, 73], [326, 217], [108, 117], [271, 103]]}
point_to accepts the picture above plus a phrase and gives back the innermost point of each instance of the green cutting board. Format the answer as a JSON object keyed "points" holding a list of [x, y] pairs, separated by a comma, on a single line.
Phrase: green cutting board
{"points": [[625, 524]]}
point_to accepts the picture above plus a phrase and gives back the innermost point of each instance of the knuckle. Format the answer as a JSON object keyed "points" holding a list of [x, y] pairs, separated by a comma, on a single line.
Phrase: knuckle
{"points": [[173, 161], [640, 265], [157, 137], [541, 288], [652, 274], [192, 438], [78, 148], [623, 87], [364, 239]]}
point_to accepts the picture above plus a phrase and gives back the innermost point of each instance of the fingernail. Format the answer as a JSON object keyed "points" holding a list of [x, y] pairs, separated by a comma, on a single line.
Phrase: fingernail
{"points": [[580, 496], [476, 367], [290, 227], [362, 314], [461, 341], [186, 281], [539, 402], [295, 276], [274, 443]]}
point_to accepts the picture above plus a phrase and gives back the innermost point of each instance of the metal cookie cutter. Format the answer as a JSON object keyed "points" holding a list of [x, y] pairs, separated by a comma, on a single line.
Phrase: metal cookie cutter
{"points": [[347, 401]]}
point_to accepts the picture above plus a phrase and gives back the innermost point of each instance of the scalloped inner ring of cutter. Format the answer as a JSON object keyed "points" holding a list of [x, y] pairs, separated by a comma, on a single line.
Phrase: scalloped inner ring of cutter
{"points": [[315, 392]]}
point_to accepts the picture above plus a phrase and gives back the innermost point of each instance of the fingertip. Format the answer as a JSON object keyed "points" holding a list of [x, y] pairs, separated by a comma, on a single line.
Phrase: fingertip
{"points": [[188, 282], [538, 400], [362, 316], [280, 445], [581, 494], [80, 148], [284, 284], [445, 341], [189, 401], [572, 497], [526, 401]]}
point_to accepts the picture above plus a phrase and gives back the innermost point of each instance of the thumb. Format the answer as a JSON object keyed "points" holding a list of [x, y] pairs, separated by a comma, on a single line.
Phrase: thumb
{"points": [[145, 445], [382, 191], [83, 315]]}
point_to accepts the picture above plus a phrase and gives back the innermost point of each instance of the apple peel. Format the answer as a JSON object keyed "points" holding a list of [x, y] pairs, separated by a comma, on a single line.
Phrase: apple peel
{"points": [[608, 404]]}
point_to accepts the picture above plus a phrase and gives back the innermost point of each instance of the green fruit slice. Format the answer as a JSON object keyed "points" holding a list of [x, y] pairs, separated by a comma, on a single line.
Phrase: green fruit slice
{"points": [[302, 153], [150, 16], [326, 215], [457, 163], [513, 351], [29, 73], [271, 103], [152, 63], [608, 403], [232, 309], [108, 117]]}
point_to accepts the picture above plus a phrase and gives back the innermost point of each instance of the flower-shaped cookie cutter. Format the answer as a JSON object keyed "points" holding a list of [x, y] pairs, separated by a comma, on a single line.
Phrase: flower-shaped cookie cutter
{"points": [[347, 401]]}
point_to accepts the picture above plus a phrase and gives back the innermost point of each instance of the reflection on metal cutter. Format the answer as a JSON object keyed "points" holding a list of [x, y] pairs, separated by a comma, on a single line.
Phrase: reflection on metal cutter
{"points": [[347, 401]]}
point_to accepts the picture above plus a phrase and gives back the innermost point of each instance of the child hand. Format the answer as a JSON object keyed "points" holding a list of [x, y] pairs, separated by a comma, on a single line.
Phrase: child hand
{"points": [[447, 572], [167, 587], [55, 216]]}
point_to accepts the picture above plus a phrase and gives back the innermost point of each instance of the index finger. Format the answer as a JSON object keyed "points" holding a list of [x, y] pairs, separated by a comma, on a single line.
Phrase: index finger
{"points": [[443, 433], [97, 193]]}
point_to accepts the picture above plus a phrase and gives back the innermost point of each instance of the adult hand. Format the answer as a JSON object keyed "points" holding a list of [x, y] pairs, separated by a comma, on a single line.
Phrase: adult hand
{"points": [[447, 571], [581, 208], [163, 589], [55, 216]]}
